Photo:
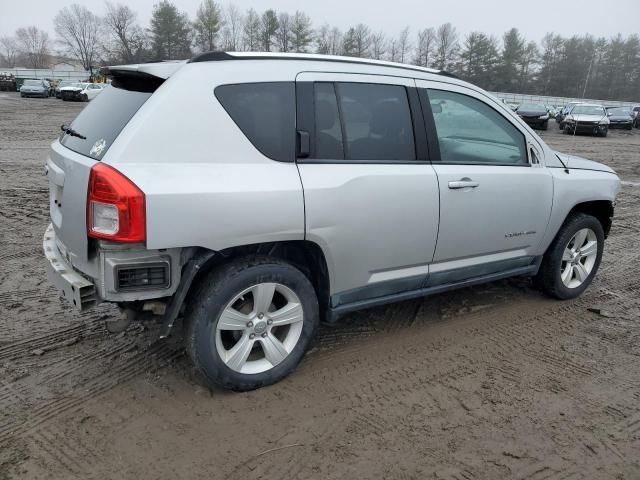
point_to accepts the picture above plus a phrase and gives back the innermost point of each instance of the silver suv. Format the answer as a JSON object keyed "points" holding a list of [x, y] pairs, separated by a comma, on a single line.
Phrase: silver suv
{"points": [[248, 196]]}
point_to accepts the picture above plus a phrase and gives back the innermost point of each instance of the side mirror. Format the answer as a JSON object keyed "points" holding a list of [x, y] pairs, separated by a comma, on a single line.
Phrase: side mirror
{"points": [[436, 108]]}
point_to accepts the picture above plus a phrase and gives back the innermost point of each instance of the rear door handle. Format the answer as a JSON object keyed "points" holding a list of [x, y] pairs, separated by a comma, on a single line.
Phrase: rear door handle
{"points": [[463, 183]]}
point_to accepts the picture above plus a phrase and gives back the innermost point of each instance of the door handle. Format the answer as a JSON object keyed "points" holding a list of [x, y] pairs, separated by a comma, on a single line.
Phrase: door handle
{"points": [[463, 183]]}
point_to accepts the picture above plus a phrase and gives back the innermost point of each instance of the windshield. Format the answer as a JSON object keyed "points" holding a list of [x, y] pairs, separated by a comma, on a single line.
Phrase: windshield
{"points": [[620, 111], [536, 107], [587, 110], [33, 83]]}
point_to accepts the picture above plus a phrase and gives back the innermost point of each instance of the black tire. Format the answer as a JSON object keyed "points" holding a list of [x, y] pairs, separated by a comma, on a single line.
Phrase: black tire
{"points": [[545, 125], [548, 278], [210, 299], [604, 132], [567, 130]]}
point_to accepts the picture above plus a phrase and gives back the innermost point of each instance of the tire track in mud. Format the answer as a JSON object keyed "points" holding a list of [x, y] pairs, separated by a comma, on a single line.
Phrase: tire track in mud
{"points": [[154, 357], [44, 342]]}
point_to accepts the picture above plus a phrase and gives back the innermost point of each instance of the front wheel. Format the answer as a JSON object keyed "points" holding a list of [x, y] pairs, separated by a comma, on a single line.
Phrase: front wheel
{"points": [[573, 258], [251, 323], [545, 125]]}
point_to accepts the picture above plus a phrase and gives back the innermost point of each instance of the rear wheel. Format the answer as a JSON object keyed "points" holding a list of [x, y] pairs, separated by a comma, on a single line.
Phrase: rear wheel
{"points": [[251, 322], [572, 260]]}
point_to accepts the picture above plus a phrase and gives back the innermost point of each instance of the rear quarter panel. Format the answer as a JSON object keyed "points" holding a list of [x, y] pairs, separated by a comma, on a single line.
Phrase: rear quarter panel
{"points": [[205, 184]]}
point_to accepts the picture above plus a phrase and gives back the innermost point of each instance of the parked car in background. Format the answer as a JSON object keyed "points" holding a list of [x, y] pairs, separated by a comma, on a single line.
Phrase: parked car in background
{"points": [[620, 117], [636, 116], [7, 82], [587, 118], [534, 114], [80, 91], [61, 84], [273, 220], [563, 113], [35, 88]]}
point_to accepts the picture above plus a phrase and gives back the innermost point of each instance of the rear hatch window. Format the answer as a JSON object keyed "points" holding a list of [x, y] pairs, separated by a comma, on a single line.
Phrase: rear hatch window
{"points": [[105, 116]]}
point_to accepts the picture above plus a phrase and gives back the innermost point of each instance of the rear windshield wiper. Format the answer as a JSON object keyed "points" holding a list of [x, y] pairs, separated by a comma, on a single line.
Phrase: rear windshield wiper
{"points": [[72, 132]]}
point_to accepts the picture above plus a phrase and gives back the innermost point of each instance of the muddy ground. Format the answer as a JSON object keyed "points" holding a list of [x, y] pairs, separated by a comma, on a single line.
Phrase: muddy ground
{"points": [[490, 382]]}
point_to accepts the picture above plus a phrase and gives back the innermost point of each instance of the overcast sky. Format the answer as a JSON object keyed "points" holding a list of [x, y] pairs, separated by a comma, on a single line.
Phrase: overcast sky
{"points": [[532, 18]]}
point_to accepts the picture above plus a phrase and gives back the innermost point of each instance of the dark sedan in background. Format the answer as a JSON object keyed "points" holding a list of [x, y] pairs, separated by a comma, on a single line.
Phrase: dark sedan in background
{"points": [[620, 117], [534, 114]]}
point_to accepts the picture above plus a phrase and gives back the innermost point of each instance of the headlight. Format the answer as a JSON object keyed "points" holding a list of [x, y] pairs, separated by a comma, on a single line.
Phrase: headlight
{"points": [[543, 117]]}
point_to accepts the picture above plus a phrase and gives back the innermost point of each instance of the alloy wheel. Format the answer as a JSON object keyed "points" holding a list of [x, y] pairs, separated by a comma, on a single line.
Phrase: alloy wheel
{"points": [[579, 258], [259, 328]]}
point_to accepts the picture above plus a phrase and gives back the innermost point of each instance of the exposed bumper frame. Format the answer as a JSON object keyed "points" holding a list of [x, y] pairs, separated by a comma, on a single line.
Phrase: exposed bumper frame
{"points": [[73, 286]]}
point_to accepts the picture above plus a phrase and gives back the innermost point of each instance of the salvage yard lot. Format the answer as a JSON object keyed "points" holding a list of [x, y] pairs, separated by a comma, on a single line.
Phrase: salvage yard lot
{"points": [[490, 382]]}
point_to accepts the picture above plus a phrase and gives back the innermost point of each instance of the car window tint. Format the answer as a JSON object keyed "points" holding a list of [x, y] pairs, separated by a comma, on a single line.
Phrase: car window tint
{"points": [[377, 122], [470, 131], [265, 112], [328, 136], [103, 119]]}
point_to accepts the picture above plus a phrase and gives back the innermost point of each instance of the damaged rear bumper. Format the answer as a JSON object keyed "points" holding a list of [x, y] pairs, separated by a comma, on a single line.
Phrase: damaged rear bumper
{"points": [[77, 289]]}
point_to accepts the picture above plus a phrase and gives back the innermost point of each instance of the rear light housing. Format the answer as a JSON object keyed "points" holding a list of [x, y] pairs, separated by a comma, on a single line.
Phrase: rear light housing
{"points": [[115, 207]]}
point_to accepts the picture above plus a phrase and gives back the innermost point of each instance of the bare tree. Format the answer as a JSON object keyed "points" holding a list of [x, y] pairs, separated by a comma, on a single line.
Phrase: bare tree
{"points": [[378, 45], [232, 30], [362, 40], [9, 49], [425, 49], [393, 50], [127, 37], [403, 45], [335, 41], [251, 31], [328, 40], [446, 46], [79, 32], [33, 43], [283, 34]]}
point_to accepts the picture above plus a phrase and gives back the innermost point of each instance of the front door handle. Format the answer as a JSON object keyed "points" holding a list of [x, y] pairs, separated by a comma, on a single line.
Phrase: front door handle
{"points": [[463, 183]]}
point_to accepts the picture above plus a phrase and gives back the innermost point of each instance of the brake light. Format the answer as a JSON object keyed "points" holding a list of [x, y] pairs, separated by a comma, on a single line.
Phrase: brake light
{"points": [[115, 206]]}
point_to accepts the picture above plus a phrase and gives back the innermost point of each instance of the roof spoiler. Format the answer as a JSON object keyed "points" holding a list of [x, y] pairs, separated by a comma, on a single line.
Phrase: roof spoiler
{"points": [[143, 77]]}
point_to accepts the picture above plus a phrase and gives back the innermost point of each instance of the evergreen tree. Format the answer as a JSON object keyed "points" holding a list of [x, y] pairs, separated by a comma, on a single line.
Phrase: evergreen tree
{"points": [[170, 32], [207, 25], [268, 30], [510, 61]]}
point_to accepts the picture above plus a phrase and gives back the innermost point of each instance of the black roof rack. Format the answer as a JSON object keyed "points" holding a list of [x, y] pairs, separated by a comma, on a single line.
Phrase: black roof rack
{"points": [[217, 56]]}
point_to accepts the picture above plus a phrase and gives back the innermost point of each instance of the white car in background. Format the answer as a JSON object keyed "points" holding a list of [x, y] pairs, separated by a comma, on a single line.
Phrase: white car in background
{"points": [[80, 91]]}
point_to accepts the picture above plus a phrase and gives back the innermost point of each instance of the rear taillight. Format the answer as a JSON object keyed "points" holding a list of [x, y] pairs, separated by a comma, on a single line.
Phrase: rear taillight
{"points": [[115, 206]]}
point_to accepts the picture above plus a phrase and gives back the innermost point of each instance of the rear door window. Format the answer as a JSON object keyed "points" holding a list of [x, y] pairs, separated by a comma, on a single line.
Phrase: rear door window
{"points": [[266, 114], [103, 119]]}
